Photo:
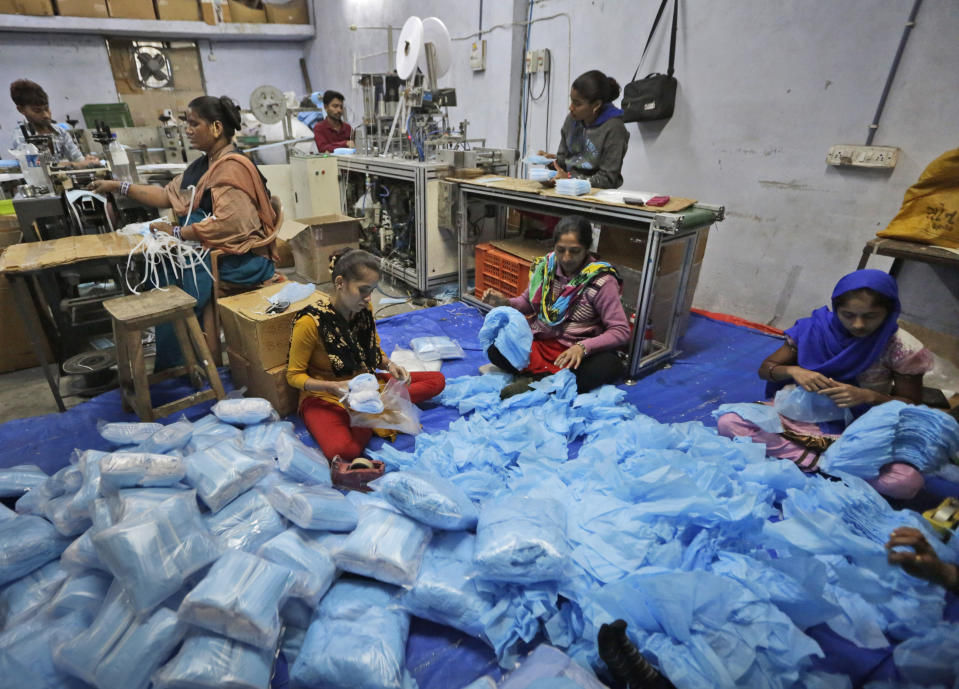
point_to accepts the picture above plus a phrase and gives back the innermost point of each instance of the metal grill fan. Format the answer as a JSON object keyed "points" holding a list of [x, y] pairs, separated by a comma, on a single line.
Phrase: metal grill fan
{"points": [[153, 67]]}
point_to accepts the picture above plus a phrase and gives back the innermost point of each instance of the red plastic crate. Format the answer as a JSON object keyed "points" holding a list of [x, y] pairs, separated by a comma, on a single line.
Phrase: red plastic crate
{"points": [[502, 271]]}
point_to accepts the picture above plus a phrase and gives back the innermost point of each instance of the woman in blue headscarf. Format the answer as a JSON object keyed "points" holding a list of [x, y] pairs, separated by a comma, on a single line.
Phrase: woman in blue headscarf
{"points": [[857, 356]]}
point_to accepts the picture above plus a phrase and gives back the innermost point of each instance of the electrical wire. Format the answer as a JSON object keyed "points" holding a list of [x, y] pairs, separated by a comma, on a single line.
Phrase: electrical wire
{"points": [[383, 308]]}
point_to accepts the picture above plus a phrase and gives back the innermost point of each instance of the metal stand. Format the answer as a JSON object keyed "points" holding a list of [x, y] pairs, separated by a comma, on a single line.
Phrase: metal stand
{"points": [[658, 228]]}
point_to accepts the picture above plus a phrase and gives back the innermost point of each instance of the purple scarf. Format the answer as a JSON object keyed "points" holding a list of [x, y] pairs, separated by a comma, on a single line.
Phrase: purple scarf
{"points": [[826, 347]]}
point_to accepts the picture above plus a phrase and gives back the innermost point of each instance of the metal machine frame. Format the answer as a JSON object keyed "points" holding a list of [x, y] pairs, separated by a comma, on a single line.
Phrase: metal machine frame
{"points": [[420, 174], [660, 228]]}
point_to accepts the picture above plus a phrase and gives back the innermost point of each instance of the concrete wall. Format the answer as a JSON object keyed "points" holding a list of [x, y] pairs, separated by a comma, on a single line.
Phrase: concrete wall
{"points": [[74, 70], [765, 88], [235, 68]]}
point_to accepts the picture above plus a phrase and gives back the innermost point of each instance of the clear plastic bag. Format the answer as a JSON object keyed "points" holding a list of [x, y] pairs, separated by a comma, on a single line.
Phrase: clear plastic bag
{"points": [[357, 640], [427, 498], [152, 553], [127, 433], [246, 523], [244, 411], [129, 469], [319, 508], [129, 501], [521, 540], [407, 359], [60, 513], [240, 597], [26, 651], [139, 652], [364, 394], [385, 545], [82, 591], [27, 542], [263, 437], [798, 404], [312, 565], [27, 594], [445, 591], [173, 436], [89, 463], [35, 500], [222, 472], [399, 412], [17, 480], [209, 660], [546, 663], [435, 347], [210, 431], [302, 463], [81, 655]]}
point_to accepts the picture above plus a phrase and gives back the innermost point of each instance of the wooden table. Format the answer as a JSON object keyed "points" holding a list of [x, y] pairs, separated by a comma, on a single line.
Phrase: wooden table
{"points": [[24, 264], [901, 251]]}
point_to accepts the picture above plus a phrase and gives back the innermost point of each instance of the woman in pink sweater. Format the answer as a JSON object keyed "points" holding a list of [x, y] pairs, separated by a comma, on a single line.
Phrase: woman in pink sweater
{"points": [[579, 320]]}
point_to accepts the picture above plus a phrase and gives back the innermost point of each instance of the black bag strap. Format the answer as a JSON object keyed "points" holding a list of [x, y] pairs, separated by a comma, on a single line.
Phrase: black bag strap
{"points": [[672, 39]]}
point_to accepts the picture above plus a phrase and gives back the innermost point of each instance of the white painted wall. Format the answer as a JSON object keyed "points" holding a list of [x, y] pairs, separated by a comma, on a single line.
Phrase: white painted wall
{"points": [[234, 68], [73, 70], [765, 89]]}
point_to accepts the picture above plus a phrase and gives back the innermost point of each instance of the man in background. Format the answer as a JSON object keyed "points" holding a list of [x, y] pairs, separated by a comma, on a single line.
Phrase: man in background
{"points": [[32, 102], [332, 133]]}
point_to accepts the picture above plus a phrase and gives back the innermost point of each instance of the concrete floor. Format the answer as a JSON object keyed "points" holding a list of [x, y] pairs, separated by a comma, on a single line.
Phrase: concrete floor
{"points": [[26, 393]]}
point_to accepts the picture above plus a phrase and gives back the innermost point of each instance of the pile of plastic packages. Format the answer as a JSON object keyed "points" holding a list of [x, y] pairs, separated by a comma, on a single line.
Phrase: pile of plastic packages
{"points": [[195, 552]]}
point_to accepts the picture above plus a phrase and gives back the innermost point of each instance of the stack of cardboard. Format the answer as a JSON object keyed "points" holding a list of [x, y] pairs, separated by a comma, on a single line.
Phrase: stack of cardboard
{"points": [[246, 12], [314, 240], [16, 351], [131, 9], [42, 8], [292, 12], [178, 10], [83, 8], [258, 344]]}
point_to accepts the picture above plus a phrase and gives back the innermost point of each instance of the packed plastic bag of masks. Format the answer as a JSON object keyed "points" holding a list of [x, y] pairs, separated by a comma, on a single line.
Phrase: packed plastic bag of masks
{"points": [[170, 584]]}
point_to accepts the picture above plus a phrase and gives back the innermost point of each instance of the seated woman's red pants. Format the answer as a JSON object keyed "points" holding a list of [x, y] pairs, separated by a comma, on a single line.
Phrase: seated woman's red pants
{"points": [[329, 423]]}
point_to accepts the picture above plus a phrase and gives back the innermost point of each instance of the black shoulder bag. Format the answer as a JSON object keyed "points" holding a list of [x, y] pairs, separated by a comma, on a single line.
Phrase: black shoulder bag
{"points": [[654, 96]]}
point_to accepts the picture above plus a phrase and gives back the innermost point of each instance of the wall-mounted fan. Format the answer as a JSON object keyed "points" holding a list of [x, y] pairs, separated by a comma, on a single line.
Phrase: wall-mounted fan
{"points": [[152, 67]]}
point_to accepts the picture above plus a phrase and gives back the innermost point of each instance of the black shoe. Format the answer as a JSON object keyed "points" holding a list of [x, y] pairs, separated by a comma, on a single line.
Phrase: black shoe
{"points": [[519, 385], [625, 662]]}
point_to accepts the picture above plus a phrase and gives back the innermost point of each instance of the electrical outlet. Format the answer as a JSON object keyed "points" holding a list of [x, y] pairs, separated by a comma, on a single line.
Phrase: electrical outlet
{"points": [[852, 155], [478, 55], [530, 61], [542, 60]]}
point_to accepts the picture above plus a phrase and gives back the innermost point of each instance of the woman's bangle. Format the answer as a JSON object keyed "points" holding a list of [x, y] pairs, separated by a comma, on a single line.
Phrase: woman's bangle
{"points": [[585, 351], [176, 232], [124, 189]]}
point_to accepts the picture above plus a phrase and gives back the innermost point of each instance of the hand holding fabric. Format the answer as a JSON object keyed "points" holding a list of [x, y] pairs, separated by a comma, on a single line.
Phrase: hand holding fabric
{"points": [[398, 372], [922, 562], [845, 395], [811, 380]]}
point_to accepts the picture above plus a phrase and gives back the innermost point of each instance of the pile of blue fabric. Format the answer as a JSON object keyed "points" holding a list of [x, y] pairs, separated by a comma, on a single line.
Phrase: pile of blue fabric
{"points": [[894, 432], [534, 519]]}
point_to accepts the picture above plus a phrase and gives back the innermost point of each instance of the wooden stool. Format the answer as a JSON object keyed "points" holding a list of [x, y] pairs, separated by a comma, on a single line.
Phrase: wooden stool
{"points": [[134, 314]]}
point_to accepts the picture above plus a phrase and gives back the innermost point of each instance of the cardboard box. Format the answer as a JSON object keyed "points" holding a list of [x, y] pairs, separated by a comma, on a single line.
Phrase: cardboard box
{"points": [[271, 384], [214, 11], [178, 10], [241, 13], [294, 12], [16, 352], [313, 240], [132, 9], [41, 8], [83, 8], [261, 338], [624, 248]]}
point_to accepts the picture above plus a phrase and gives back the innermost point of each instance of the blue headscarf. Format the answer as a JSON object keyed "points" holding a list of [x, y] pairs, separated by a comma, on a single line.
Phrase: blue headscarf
{"points": [[826, 347]]}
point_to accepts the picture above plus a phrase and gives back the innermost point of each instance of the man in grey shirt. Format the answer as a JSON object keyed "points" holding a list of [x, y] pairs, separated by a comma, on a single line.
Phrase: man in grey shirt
{"points": [[32, 102]]}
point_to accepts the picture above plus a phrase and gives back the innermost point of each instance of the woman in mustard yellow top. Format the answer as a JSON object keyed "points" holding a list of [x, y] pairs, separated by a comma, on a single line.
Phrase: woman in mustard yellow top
{"points": [[336, 340]]}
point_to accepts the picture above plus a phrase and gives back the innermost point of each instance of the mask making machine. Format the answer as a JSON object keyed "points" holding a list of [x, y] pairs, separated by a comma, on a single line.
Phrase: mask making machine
{"points": [[406, 147]]}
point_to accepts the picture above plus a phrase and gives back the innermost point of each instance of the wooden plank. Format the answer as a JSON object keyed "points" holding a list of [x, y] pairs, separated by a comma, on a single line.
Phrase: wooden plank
{"points": [[148, 308], [916, 251], [185, 402], [206, 358]]}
